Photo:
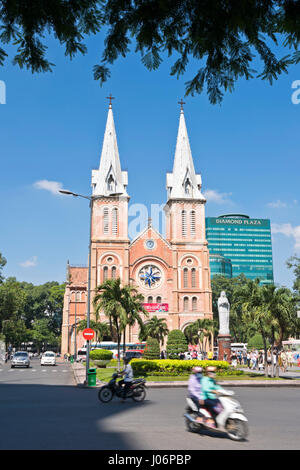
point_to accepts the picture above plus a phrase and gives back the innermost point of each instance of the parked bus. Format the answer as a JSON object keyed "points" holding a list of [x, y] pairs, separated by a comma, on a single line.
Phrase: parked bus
{"points": [[238, 347], [138, 347], [294, 346], [111, 346]]}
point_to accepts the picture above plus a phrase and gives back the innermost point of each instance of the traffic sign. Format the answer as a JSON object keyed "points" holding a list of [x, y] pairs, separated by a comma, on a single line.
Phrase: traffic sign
{"points": [[88, 334]]}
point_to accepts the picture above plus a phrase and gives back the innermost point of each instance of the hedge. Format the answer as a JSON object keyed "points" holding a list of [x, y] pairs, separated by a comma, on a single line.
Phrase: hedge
{"points": [[173, 366], [101, 354]]}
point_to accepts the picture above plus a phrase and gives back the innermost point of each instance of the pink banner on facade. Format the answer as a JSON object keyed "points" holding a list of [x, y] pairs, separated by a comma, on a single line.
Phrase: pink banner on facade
{"points": [[156, 307]]}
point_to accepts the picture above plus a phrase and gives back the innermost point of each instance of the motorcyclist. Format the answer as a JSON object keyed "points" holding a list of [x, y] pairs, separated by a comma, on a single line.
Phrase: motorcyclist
{"points": [[195, 389], [128, 378], [210, 389]]}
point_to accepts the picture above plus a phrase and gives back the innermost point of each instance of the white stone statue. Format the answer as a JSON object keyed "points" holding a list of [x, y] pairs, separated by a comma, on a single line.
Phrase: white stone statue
{"points": [[223, 309]]}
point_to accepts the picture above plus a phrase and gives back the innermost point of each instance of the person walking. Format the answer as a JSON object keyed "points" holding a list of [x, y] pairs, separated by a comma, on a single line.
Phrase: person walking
{"points": [[248, 359], [234, 360], [284, 360], [290, 358], [269, 361]]}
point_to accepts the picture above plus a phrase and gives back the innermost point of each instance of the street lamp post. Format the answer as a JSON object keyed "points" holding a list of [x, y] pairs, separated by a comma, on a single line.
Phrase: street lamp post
{"points": [[90, 198]]}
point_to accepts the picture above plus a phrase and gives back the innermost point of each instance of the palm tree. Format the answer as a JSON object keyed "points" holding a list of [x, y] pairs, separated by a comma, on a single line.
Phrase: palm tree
{"points": [[108, 299], [280, 306], [157, 328], [200, 330], [133, 306], [255, 303]]}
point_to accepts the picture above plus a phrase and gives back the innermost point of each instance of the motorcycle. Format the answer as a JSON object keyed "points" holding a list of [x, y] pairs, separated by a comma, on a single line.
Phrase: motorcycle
{"points": [[231, 420], [136, 391]]}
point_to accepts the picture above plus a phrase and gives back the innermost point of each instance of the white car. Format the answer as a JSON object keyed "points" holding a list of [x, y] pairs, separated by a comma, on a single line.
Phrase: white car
{"points": [[48, 359]]}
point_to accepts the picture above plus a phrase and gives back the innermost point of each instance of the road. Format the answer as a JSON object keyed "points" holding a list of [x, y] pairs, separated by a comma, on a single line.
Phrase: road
{"points": [[41, 408]]}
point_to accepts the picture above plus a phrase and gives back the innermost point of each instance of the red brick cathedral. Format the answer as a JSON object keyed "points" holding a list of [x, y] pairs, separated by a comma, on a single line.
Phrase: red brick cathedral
{"points": [[172, 272]]}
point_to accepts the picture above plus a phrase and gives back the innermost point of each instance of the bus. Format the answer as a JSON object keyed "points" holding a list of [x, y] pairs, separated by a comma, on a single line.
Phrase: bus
{"points": [[111, 346], [294, 346], [138, 347], [238, 347]]}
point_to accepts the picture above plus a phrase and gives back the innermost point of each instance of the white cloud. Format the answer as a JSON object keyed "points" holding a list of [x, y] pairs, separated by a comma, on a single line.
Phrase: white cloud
{"points": [[216, 197], [277, 204], [29, 263], [52, 186], [289, 231]]}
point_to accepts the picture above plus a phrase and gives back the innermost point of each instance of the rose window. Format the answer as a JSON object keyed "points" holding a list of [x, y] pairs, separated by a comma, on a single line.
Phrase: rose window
{"points": [[150, 276]]}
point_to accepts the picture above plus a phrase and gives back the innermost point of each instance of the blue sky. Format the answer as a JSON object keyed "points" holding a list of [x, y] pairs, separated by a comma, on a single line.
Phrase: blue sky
{"points": [[52, 127]]}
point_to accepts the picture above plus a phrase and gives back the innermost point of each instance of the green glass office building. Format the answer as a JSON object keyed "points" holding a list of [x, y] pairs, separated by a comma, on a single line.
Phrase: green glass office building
{"points": [[245, 243]]}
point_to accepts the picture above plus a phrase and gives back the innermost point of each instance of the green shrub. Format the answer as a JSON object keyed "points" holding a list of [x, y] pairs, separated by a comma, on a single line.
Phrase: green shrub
{"points": [[173, 367], [101, 354], [152, 350], [176, 344]]}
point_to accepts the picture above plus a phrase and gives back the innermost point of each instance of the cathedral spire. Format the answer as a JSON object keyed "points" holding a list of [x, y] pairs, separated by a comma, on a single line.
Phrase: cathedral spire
{"points": [[109, 179], [183, 182]]}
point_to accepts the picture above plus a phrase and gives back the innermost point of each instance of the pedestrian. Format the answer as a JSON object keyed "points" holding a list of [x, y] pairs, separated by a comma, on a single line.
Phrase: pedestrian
{"points": [[194, 354], [269, 360], [284, 360], [245, 357], [280, 363], [260, 361], [248, 359], [239, 357], [200, 356], [290, 358], [234, 360], [210, 355]]}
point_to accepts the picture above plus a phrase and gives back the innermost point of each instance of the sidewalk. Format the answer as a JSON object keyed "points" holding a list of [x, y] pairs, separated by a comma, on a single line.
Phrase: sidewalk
{"points": [[289, 379]]}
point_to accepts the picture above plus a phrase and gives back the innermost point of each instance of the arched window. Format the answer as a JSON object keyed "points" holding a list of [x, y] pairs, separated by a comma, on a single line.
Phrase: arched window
{"points": [[183, 223], [158, 300], [115, 221], [105, 273], [194, 304], [105, 221], [110, 183], [185, 277], [193, 275], [78, 296], [150, 299], [193, 223], [113, 272], [187, 187], [185, 304]]}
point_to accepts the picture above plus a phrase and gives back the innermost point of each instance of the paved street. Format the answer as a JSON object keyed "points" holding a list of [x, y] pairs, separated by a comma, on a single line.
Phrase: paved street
{"points": [[40, 408]]}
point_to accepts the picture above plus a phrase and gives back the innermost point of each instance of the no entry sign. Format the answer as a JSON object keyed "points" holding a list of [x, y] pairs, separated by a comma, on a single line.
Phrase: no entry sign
{"points": [[88, 334]]}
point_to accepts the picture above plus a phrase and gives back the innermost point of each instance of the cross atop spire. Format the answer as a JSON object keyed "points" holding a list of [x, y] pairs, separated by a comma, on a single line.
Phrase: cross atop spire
{"points": [[181, 102], [109, 179], [110, 97], [183, 182]]}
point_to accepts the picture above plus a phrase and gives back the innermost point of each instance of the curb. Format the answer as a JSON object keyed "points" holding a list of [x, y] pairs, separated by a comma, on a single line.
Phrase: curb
{"points": [[79, 374]]}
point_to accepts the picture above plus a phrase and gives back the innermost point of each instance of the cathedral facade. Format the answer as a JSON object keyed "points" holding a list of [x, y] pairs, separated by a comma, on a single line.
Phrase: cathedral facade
{"points": [[171, 272]]}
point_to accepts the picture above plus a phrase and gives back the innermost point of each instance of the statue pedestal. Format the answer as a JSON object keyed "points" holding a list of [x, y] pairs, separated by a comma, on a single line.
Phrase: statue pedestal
{"points": [[224, 345]]}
